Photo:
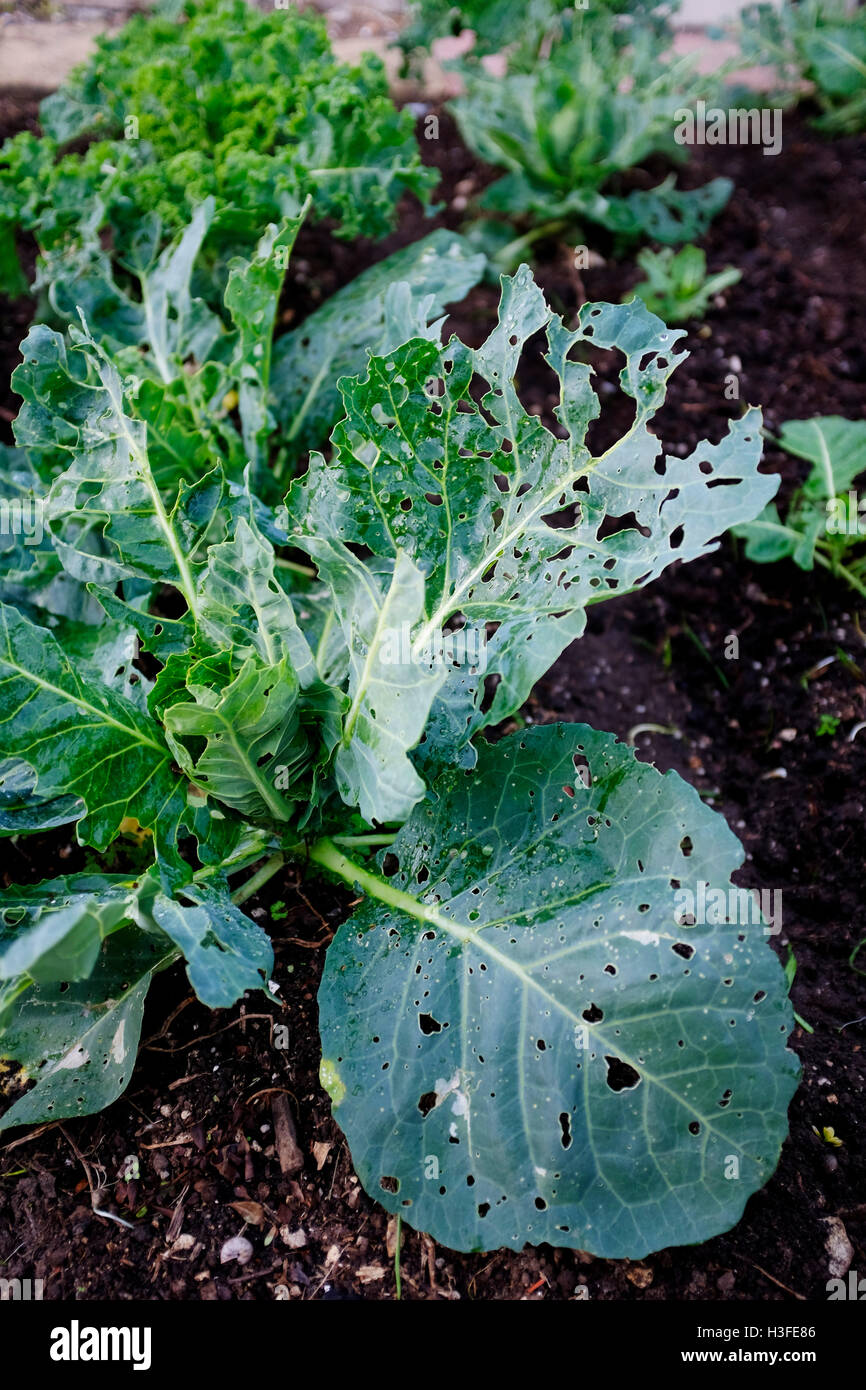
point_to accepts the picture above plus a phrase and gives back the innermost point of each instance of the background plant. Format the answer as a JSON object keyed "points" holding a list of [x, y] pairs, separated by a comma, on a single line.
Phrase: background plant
{"points": [[677, 286], [821, 42], [595, 108], [823, 524], [524, 31]]}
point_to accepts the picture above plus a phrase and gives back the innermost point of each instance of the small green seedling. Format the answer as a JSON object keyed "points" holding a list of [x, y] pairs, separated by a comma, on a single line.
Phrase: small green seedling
{"points": [[790, 973], [829, 1135], [826, 519], [827, 725], [677, 286]]}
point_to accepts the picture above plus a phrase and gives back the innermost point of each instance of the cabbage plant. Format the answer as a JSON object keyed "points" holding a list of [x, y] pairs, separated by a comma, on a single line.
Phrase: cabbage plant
{"points": [[523, 1037]]}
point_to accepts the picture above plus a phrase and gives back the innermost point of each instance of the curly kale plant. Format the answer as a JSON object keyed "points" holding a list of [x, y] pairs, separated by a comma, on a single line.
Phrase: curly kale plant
{"points": [[213, 97], [523, 1037]]}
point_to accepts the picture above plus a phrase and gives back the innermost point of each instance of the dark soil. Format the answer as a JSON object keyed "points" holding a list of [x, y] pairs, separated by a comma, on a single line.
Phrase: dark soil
{"points": [[198, 1114]]}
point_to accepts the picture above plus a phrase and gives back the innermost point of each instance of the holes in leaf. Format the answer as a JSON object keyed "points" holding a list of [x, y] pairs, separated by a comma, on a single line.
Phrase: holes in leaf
{"points": [[428, 1024], [682, 948], [621, 1076], [761, 994], [540, 1204], [470, 1181], [541, 1044], [726, 1099], [427, 1102], [390, 865], [694, 1127], [483, 1209], [389, 1184], [610, 969], [613, 525], [565, 1126], [434, 498], [686, 847], [593, 1014]]}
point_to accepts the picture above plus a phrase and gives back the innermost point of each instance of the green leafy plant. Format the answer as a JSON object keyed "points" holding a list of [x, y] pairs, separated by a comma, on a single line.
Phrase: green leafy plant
{"points": [[524, 30], [211, 98], [523, 1037], [677, 286], [827, 725], [211, 386], [819, 42], [569, 127], [824, 524]]}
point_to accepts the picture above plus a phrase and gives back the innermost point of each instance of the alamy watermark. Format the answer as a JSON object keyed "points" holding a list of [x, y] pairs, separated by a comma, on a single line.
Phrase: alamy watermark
{"points": [[852, 1290], [743, 907], [21, 1290], [23, 516], [738, 125], [464, 647], [846, 516]]}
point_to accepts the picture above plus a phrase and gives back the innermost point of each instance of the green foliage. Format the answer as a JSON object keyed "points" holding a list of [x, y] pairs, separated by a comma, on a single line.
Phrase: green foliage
{"points": [[526, 1044], [453, 542], [677, 286], [522, 28], [819, 42], [593, 109], [209, 388], [377, 311], [215, 98], [824, 524]]}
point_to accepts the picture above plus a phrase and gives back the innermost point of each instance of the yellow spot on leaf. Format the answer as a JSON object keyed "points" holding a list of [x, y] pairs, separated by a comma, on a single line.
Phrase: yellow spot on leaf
{"points": [[130, 826]]}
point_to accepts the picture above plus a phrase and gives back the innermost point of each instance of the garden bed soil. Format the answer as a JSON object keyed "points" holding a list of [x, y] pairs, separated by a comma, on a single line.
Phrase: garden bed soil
{"points": [[205, 1112]]}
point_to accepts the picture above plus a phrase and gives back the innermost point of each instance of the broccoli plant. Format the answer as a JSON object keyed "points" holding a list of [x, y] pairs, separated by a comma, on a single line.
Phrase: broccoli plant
{"points": [[677, 286], [825, 523], [523, 1037], [210, 98]]}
